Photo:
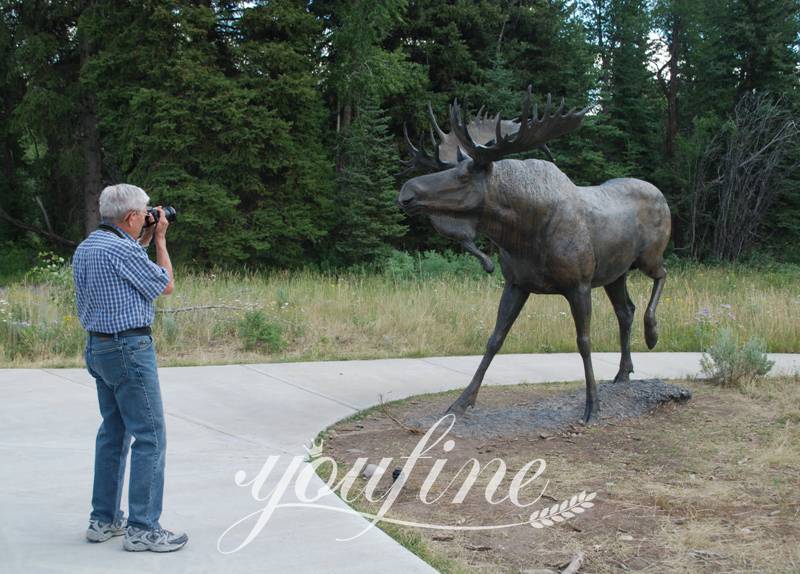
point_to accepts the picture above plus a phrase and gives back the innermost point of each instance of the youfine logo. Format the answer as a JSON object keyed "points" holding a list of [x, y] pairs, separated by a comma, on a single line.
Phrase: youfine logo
{"points": [[526, 488]]}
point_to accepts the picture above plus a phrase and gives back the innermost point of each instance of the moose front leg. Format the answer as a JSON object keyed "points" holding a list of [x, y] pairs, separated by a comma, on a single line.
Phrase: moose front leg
{"points": [[580, 303], [486, 263], [511, 304]]}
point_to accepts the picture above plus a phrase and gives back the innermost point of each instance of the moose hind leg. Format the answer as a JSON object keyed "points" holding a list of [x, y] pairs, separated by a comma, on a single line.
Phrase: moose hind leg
{"points": [[580, 303], [650, 324], [511, 303], [624, 309]]}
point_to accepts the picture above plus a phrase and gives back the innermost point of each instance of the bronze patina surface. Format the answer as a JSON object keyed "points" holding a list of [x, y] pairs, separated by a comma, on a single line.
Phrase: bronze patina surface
{"points": [[553, 237]]}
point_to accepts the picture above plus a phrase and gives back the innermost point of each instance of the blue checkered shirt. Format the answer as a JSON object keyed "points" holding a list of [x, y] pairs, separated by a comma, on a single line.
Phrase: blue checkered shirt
{"points": [[116, 283]]}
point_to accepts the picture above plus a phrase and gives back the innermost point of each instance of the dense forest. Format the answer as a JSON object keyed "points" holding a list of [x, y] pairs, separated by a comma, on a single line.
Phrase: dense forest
{"points": [[276, 127]]}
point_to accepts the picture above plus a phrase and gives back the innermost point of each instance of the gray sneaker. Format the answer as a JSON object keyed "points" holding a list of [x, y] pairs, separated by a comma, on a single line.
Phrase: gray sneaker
{"points": [[156, 540], [102, 531]]}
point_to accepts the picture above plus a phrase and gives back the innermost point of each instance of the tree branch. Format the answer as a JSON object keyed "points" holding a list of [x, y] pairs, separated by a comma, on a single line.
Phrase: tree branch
{"points": [[48, 234]]}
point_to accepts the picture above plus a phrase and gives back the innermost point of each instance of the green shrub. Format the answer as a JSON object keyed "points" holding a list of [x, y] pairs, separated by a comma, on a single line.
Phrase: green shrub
{"points": [[726, 363], [430, 264], [169, 329], [400, 265], [54, 272], [257, 332], [15, 260]]}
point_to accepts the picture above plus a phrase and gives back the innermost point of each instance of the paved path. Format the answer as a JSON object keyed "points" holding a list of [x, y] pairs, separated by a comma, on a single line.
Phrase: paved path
{"points": [[222, 420]]}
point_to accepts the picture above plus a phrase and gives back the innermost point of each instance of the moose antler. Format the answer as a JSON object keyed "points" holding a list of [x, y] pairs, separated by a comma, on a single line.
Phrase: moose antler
{"points": [[446, 144], [534, 131], [421, 158]]}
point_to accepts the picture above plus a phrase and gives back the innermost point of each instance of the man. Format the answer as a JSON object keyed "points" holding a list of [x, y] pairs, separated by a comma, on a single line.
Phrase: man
{"points": [[116, 284]]}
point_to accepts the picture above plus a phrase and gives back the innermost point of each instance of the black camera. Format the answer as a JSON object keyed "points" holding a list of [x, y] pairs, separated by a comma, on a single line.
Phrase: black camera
{"points": [[153, 215]]}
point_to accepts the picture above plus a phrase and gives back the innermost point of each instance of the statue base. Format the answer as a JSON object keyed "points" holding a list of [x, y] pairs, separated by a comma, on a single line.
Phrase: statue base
{"points": [[556, 413]]}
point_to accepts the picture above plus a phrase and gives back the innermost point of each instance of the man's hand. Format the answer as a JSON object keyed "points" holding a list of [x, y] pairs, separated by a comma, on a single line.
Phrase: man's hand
{"points": [[161, 225], [162, 256]]}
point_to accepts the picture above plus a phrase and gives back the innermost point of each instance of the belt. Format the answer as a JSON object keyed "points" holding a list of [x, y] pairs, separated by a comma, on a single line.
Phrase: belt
{"points": [[138, 332]]}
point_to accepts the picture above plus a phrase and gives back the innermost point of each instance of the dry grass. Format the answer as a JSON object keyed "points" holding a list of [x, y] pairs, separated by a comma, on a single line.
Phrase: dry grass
{"points": [[376, 316]]}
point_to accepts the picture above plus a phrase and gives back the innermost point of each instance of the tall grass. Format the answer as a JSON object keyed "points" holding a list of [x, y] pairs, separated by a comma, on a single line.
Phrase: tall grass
{"points": [[408, 310]]}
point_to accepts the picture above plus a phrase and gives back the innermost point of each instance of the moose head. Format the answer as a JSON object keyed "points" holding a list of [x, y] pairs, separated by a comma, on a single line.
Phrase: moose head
{"points": [[461, 164]]}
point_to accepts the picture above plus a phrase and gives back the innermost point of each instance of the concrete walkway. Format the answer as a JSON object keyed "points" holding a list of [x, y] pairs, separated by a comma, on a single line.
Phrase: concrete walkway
{"points": [[222, 420]]}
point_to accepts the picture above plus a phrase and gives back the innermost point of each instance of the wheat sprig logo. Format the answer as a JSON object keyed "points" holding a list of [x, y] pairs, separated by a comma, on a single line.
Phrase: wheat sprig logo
{"points": [[564, 511]]}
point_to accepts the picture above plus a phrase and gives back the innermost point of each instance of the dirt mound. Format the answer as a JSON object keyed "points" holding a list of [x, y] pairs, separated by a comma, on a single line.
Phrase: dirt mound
{"points": [[617, 401]]}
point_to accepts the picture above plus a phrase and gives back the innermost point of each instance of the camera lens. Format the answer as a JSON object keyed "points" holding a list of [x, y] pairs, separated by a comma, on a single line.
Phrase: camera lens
{"points": [[169, 212]]}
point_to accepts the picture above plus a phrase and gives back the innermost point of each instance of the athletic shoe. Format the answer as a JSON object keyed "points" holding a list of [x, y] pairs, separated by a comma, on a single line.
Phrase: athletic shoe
{"points": [[102, 531], [156, 540]]}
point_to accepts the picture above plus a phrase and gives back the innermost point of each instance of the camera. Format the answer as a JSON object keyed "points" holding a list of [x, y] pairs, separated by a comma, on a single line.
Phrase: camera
{"points": [[152, 215]]}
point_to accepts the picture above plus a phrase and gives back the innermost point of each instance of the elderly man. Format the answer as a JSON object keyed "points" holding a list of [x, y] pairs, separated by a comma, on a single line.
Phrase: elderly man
{"points": [[116, 284]]}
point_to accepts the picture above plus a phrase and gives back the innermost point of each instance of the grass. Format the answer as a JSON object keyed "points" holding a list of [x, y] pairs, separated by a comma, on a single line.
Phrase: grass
{"points": [[306, 315]]}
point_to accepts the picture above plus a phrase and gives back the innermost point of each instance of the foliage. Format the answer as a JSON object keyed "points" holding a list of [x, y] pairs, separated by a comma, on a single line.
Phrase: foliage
{"points": [[50, 268], [257, 332], [727, 363], [426, 265], [240, 113], [367, 218], [15, 261]]}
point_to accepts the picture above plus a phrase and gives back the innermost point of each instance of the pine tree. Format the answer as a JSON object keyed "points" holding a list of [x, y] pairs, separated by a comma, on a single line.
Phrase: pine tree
{"points": [[368, 216], [630, 101], [222, 118]]}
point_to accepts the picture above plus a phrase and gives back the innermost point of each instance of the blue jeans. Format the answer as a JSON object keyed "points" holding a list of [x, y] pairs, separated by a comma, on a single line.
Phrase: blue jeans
{"points": [[130, 403]]}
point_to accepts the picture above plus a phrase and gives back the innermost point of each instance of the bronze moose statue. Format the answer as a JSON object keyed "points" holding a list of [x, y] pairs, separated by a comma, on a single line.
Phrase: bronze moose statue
{"points": [[552, 236]]}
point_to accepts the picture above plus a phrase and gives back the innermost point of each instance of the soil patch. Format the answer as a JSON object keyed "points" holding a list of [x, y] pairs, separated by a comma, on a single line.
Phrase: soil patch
{"points": [[706, 485]]}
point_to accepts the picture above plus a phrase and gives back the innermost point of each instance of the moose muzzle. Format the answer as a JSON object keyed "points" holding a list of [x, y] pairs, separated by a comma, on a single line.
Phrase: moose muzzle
{"points": [[407, 200]]}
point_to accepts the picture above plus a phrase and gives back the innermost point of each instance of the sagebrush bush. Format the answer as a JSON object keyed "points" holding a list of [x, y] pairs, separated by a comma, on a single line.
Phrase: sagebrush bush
{"points": [[728, 364], [257, 332]]}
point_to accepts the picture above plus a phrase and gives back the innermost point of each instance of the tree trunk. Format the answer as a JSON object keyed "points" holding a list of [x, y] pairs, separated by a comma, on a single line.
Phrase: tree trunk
{"points": [[672, 91], [678, 232], [90, 144], [343, 125]]}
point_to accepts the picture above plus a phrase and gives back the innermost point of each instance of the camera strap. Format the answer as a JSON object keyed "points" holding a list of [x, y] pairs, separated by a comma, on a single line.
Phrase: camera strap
{"points": [[110, 229]]}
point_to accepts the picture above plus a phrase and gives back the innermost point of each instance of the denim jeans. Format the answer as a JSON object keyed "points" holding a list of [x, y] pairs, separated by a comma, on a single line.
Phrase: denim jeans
{"points": [[130, 403]]}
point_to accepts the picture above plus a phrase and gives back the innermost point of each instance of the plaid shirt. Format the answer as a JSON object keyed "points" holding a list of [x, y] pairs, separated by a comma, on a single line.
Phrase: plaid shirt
{"points": [[116, 283]]}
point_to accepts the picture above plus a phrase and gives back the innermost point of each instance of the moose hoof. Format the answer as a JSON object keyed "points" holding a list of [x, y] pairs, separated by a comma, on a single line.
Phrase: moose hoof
{"points": [[651, 335], [488, 266], [650, 330], [623, 377], [460, 406]]}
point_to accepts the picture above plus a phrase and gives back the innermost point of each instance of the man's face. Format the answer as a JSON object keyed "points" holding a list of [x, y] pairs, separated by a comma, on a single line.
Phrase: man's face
{"points": [[136, 220]]}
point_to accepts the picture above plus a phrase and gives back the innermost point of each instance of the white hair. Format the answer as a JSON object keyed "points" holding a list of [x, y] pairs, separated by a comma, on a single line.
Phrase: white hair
{"points": [[117, 200]]}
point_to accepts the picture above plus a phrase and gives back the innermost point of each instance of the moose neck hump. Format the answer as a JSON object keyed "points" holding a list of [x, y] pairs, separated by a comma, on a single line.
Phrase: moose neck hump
{"points": [[521, 196]]}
